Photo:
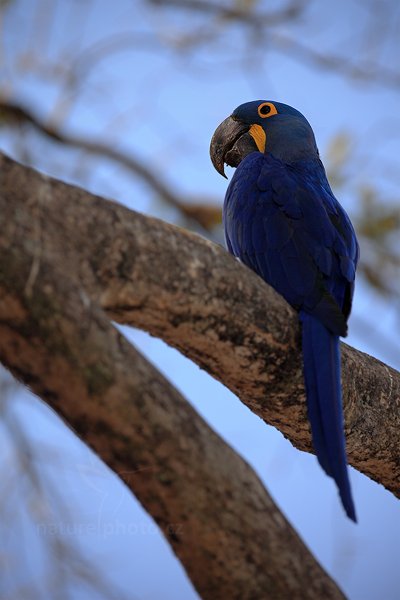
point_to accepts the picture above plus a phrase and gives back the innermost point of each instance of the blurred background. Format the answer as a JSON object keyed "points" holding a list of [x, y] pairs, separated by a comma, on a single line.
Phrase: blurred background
{"points": [[122, 98]]}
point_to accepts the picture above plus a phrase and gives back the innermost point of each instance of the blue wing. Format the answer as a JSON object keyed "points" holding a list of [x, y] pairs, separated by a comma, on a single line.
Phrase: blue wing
{"points": [[283, 222]]}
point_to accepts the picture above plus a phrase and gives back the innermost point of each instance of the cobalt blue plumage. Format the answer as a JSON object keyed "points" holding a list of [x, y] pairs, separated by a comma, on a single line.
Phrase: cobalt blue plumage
{"points": [[282, 220]]}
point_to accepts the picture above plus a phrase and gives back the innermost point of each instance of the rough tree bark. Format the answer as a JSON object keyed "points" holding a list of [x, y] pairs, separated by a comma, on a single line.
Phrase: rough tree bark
{"points": [[68, 256]]}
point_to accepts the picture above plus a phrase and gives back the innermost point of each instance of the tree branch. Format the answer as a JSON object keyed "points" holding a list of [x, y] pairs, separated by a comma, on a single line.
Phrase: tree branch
{"points": [[196, 297], [211, 506], [238, 12], [207, 215], [266, 23]]}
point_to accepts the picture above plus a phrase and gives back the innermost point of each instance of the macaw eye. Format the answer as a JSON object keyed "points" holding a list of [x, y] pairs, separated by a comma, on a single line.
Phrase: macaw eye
{"points": [[267, 109]]}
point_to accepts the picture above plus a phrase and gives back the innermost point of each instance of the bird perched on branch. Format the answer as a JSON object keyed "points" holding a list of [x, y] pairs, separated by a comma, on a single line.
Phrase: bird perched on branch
{"points": [[283, 221]]}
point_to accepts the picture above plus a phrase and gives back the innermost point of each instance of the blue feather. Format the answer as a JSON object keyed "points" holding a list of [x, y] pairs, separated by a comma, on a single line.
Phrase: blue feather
{"points": [[321, 358]]}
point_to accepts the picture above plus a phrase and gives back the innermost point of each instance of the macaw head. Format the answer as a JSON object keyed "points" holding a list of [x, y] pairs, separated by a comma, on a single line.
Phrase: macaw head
{"points": [[262, 126]]}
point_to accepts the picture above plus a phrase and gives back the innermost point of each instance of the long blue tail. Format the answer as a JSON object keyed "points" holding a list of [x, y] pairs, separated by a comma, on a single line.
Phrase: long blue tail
{"points": [[321, 356]]}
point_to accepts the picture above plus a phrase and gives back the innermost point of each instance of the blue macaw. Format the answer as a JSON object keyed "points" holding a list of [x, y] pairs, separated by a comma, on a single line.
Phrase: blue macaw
{"points": [[283, 221]]}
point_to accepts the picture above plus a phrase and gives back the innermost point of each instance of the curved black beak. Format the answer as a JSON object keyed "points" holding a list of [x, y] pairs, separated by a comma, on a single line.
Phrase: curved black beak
{"points": [[223, 140]]}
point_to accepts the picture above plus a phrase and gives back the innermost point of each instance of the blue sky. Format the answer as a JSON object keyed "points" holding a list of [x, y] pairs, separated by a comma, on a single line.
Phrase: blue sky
{"points": [[164, 105]]}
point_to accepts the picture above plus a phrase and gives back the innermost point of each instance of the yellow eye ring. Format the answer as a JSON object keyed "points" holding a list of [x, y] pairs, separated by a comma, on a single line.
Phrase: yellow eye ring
{"points": [[266, 109]]}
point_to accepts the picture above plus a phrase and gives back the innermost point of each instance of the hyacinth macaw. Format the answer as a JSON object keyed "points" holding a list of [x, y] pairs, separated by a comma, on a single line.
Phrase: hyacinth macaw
{"points": [[282, 220]]}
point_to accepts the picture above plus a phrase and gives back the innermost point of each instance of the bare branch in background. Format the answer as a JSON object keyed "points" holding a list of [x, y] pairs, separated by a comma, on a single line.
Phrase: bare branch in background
{"points": [[205, 215], [238, 11], [358, 70], [265, 26]]}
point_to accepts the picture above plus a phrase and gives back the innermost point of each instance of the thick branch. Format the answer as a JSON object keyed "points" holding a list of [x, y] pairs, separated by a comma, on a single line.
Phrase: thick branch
{"points": [[215, 512], [196, 297]]}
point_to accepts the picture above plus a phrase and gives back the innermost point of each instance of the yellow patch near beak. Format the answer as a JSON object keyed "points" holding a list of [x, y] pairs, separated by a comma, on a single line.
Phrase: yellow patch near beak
{"points": [[258, 135]]}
